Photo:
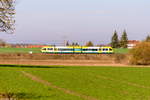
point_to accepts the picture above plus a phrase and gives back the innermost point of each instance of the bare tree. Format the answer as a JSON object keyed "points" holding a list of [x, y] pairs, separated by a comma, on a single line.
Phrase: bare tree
{"points": [[7, 12]]}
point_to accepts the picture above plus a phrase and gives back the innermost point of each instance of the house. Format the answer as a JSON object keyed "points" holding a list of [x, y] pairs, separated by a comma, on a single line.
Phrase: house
{"points": [[132, 43]]}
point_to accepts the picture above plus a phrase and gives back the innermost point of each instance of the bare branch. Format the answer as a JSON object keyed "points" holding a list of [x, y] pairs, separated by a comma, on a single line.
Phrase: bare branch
{"points": [[7, 12]]}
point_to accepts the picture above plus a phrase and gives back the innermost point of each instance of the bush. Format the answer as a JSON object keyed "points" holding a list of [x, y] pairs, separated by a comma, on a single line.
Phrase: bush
{"points": [[121, 58], [140, 55]]}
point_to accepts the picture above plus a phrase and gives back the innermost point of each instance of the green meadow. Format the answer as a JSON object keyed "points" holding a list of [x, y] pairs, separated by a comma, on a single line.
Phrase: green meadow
{"points": [[75, 82], [19, 50], [121, 50]]}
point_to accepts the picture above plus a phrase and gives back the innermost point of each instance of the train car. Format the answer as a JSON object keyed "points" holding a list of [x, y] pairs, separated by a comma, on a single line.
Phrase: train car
{"points": [[77, 50]]}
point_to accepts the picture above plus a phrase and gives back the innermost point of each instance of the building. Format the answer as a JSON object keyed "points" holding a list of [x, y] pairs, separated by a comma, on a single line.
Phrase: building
{"points": [[132, 43]]}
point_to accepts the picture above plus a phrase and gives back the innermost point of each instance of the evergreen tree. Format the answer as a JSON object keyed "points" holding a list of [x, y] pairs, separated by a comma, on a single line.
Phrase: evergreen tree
{"points": [[89, 44], [147, 39], [76, 44], [73, 44], [67, 43], [115, 40], [124, 40]]}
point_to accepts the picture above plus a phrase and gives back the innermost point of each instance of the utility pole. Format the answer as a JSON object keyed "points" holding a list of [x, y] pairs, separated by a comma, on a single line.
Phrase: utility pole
{"points": [[64, 39]]}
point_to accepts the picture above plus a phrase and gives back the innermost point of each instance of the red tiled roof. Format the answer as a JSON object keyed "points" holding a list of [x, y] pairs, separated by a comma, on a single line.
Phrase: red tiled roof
{"points": [[133, 41]]}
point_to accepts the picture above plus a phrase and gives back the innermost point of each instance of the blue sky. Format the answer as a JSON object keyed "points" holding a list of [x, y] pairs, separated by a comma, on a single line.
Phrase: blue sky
{"points": [[53, 21]]}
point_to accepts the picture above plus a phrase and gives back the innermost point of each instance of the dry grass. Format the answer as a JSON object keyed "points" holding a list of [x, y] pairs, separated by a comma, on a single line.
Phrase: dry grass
{"points": [[63, 59]]}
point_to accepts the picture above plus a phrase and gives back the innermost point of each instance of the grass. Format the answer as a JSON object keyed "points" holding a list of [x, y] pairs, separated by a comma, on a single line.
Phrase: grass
{"points": [[102, 83], [121, 50], [22, 88], [19, 50], [37, 50]]}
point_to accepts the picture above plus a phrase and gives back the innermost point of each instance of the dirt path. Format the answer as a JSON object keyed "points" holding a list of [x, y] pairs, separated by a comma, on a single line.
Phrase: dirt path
{"points": [[67, 91], [61, 62], [67, 63], [124, 82]]}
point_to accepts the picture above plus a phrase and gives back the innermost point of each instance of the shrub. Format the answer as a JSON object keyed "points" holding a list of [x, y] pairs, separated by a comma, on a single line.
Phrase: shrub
{"points": [[121, 58], [140, 55]]}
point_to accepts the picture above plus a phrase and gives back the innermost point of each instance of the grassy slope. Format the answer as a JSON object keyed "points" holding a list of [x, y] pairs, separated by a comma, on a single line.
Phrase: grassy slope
{"points": [[104, 83]]}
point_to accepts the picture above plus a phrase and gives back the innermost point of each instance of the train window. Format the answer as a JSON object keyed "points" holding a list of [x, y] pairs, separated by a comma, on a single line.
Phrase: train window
{"points": [[49, 48], [65, 49], [94, 49], [105, 49], [84, 49], [89, 49], [100, 49]]}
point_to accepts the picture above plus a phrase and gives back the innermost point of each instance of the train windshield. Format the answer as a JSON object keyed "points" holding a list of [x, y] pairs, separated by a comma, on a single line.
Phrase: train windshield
{"points": [[110, 49], [43, 48]]}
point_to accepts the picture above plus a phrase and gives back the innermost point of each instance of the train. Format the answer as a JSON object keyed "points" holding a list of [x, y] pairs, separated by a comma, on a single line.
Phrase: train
{"points": [[76, 50]]}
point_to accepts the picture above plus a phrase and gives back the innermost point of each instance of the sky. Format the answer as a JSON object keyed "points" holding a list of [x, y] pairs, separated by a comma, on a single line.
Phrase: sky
{"points": [[53, 21]]}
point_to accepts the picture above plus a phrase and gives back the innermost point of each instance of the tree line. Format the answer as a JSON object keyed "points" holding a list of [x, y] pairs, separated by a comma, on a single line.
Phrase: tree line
{"points": [[123, 41], [116, 42], [89, 43]]}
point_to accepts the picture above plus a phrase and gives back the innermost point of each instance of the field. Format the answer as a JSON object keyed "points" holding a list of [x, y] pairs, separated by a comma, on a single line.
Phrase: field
{"points": [[37, 50], [75, 82], [19, 50], [121, 50]]}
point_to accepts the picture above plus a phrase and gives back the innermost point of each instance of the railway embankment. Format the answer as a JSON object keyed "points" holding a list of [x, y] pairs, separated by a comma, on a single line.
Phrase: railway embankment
{"points": [[63, 59]]}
